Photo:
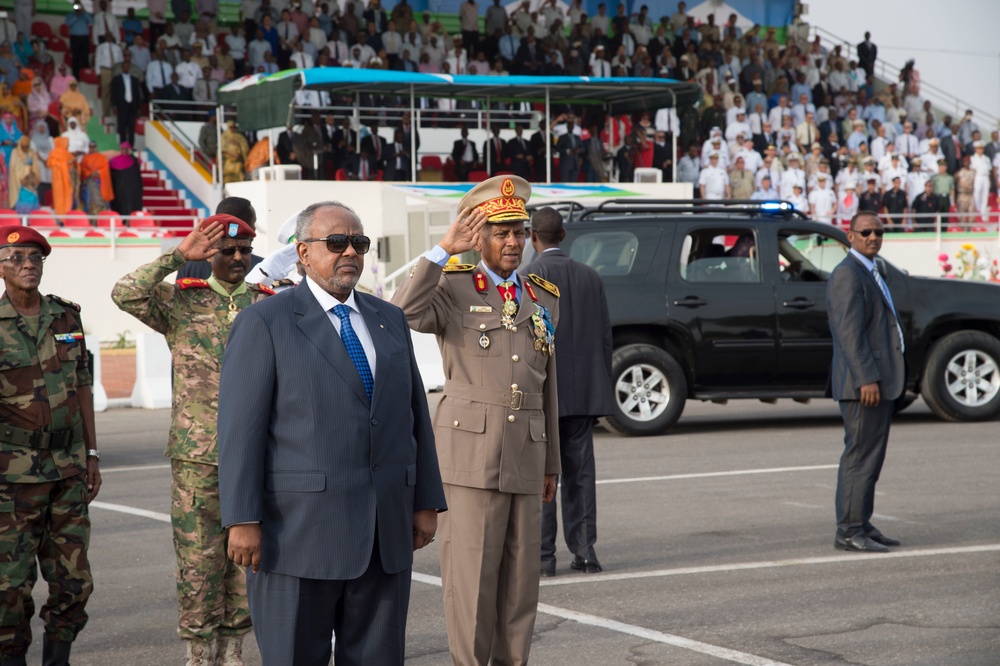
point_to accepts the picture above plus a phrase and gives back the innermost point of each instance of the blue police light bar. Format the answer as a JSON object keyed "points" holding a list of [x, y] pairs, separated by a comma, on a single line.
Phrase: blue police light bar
{"points": [[775, 206]]}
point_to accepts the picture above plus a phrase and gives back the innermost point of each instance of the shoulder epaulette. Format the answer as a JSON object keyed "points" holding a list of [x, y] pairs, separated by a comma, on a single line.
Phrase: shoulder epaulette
{"points": [[260, 286], [192, 283], [63, 302], [459, 268], [544, 284], [283, 282]]}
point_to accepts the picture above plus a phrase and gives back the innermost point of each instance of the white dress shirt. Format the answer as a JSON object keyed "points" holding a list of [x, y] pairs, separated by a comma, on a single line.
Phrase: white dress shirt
{"points": [[107, 56], [158, 74], [328, 302], [188, 74]]}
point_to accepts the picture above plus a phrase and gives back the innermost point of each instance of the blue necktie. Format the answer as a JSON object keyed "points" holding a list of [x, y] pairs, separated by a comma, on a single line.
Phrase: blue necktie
{"points": [[888, 297], [354, 348]]}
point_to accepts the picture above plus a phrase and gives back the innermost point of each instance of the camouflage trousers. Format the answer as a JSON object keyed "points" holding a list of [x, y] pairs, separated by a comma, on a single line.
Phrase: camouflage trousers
{"points": [[48, 523], [211, 589]]}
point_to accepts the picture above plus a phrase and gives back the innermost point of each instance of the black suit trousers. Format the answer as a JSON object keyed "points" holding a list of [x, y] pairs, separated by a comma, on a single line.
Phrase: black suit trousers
{"points": [[127, 116], [866, 434], [578, 491], [294, 618]]}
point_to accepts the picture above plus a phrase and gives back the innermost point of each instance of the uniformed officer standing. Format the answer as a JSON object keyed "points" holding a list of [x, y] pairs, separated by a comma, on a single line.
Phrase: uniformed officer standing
{"points": [[497, 427], [195, 316], [48, 455]]}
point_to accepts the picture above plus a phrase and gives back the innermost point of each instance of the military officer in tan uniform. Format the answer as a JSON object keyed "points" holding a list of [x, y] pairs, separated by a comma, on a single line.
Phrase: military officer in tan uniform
{"points": [[497, 427]]}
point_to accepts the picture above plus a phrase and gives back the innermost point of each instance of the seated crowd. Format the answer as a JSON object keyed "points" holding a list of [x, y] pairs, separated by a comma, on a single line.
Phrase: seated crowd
{"points": [[789, 120]]}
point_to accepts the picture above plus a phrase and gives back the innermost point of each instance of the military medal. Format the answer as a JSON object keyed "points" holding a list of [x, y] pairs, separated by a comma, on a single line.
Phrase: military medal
{"points": [[543, 330], [509, 310], [233, 311], [484, 341]]}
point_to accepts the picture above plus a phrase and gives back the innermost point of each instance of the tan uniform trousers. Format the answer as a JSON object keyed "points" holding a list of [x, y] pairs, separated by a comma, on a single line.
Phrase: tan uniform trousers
{"points": [[490, 549]]}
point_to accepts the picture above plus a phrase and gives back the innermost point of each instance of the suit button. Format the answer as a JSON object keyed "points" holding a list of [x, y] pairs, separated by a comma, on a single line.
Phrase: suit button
{"points": [[515, 358], [511, 418], [374, 421], [513, 329], [375, 467], [513, 387], [482, 326], [455, 424]]}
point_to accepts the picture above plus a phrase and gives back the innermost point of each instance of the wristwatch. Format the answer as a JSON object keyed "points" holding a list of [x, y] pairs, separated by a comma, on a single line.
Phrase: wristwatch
{"points": [[93, 453]]}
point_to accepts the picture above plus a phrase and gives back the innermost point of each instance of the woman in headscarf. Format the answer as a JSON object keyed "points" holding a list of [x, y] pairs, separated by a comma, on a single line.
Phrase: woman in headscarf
{"points": [[9, 135], [234, 154], [60, 81], [75, 104], [78, 139], [22, 47], [12, 104], [65, 178], [126, 178], [95, 181], [22, 87], [39, 100], [41, 143], [23, 162]]}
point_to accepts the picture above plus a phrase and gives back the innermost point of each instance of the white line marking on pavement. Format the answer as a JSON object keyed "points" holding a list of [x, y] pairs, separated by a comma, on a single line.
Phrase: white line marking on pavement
{"points": [[637, 631], [133, 468], [705, 475], [803, 505], [131, 510], [771, 564]]}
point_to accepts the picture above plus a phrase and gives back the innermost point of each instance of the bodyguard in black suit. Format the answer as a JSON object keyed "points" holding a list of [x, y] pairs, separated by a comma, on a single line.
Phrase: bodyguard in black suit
{"points": [[866, 377], [867, 54], [328, 473], [460, 151], [583, 367], [126, 97], [518, 152]]}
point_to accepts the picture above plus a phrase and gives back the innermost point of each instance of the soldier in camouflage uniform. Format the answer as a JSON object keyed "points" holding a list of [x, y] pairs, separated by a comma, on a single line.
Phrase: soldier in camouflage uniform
{"points": [[48, 455], [195, 316]]}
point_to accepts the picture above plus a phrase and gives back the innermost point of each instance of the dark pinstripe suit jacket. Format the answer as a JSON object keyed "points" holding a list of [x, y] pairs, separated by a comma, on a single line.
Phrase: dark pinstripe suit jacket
{"points": [[865, 340], [301, 449]]}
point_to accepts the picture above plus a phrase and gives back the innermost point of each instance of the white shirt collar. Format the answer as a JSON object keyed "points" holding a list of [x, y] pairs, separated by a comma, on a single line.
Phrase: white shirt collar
{"points": [[327, 301]]}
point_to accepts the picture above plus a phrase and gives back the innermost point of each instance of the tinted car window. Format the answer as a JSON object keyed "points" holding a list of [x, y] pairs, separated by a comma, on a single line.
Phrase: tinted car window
{"points": [[808, 256], [607, 252], [720, 255]]}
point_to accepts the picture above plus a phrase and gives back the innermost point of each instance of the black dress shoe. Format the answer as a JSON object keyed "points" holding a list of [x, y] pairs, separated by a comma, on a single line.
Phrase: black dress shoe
{"points": [[878, 537], [585, 566], [859, 543], [548, 571]]}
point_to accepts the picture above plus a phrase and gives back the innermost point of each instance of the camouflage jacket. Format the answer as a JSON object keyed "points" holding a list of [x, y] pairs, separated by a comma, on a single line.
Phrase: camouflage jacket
{"points": [[195, 320], [38, 382]]}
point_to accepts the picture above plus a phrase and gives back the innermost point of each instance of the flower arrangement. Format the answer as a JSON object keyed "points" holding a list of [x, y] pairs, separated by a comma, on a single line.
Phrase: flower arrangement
{"points": [[969, 265]]}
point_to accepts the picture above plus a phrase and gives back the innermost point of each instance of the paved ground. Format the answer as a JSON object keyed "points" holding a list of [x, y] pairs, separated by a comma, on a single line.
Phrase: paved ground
{"points": [[716, 541]]}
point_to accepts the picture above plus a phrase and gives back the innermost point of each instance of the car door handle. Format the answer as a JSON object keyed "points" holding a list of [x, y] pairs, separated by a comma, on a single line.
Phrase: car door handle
{"points": [[691, 302], [799, 303]]}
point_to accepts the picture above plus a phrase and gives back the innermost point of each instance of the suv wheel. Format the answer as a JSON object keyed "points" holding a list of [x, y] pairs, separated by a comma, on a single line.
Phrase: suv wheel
{"points": [[962, 379], [650, 390]]}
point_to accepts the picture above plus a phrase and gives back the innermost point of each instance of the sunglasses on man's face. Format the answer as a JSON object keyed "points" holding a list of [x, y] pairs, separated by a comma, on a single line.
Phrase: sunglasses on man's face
{"points": [[244, 250], [865, 233], [337, 243]]}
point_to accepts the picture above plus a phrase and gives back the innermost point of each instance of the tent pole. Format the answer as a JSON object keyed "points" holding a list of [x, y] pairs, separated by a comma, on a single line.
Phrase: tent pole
{"points": [[220, 118], [489, 144], [270, 149], [357, 122], [548, 138], [413, 139], [673, 135]]}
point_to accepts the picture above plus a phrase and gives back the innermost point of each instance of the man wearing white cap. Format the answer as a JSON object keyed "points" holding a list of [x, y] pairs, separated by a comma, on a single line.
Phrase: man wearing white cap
{"points": [[793, 175], [715, 144], [929, 160], [739, 126], [895, 170], [798, 201], [713, 183], [822, 200]]}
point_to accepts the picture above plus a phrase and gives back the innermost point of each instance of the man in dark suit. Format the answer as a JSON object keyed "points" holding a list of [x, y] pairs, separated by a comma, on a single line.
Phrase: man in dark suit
{"points": [[464, 155], [328, 473], [583, 374], [397, 160], [344, 139], [518, 152], [568, 147], [867, 54], [375, 145], [494, 147], [126, 98], [174, 91], [866, 377]]}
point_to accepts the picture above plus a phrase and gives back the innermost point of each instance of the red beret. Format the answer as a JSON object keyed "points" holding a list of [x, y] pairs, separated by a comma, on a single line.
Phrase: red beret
{"points": [[232, 227], [18, 235]]}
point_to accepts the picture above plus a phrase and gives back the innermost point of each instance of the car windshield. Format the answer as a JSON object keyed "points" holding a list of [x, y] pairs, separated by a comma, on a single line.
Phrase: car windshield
{"points": [[811, 253]]}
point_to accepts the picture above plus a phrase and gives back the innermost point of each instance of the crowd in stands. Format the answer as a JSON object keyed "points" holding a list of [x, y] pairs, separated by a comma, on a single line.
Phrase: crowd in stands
{"points": [[785, 120]]}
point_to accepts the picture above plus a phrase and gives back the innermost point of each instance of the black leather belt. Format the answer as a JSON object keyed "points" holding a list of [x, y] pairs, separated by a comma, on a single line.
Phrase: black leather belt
{"points": [[32, 439]]}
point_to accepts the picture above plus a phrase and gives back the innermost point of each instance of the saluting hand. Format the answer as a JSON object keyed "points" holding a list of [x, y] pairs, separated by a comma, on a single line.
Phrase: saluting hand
{"points": [[463, 234], [200, 243]]}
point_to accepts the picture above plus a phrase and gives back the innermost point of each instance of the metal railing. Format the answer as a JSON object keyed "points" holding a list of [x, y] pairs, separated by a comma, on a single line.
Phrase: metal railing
{"points": [[944, 101], [169, 112]]}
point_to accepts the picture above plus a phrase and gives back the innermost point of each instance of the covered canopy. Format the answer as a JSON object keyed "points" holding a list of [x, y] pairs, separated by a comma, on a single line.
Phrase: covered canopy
{"points": [[263, 101]]}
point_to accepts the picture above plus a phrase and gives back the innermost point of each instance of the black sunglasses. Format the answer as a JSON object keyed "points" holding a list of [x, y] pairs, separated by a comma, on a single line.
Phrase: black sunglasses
{"points": [[244, 250], [337, 243], [865, 233]]}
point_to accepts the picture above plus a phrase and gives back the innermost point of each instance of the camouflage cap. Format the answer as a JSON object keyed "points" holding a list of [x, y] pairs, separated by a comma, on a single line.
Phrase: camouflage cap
{"points": [[234, 227], [18, 235]]}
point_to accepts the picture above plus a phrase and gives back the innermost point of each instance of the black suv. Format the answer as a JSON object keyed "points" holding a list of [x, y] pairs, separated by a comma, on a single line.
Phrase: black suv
{"points": [[718, 301]]}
